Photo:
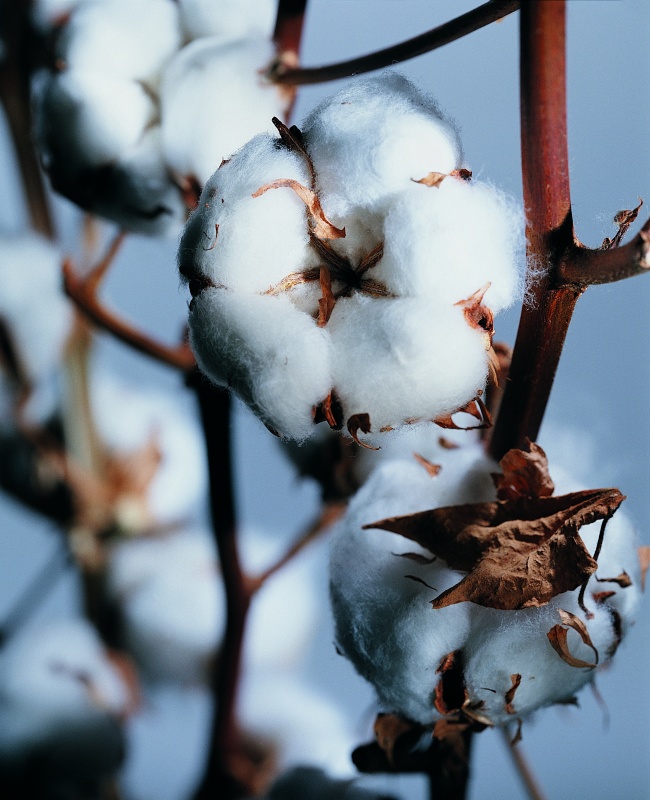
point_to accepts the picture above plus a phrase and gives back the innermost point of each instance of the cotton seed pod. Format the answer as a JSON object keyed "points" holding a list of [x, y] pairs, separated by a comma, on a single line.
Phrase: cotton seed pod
{"points": [[227, 19], [61, 705], [508, 662]]}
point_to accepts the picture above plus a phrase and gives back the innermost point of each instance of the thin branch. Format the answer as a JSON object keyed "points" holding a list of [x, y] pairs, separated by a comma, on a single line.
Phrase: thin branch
{"points": [[288, 26], [523, 768], [485, 14], [545, 319], [89, 304]]}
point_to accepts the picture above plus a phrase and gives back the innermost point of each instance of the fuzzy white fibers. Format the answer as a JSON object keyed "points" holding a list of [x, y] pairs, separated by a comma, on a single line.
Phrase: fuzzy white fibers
{"points": [[228, 19], [127, 419], [302, 782], [47, 14], [213, 100], [387, 628], [61, 702], [130, 39]]}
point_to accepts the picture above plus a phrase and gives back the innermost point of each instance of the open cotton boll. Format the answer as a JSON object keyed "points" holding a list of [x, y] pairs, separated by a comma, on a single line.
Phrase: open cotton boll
{"points": [[448, 241], [259, 240], [315, 784], [370, 140], [213, 100], [494, 650], [127, 418], [129, 39], [302, 725], [227, 19], [274, 356], [400, 359], [61, 701]]}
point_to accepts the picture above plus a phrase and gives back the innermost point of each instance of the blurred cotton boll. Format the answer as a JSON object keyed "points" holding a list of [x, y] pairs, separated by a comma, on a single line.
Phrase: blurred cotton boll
{"points": [[61, 706], [227, 19], [313, 783]]}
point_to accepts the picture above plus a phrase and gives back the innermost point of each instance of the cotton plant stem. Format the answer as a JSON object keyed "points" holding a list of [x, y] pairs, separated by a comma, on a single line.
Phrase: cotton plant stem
{"points": [[545, 320], [15, 99], [522, 766], [288, 26], [437, 37]]}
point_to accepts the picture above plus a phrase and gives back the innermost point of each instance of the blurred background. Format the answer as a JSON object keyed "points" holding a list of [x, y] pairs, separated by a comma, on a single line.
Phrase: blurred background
{"points": [[597, 424]]}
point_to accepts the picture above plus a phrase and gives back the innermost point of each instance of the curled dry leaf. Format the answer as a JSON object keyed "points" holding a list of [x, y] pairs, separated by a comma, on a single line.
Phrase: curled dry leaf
{"points": [[327, 301], [525, 474], [510, 694], [557, 636], [602, 597], [475, 408], [360, 422], [432, 469], [321, 227], [623, 580], [292, 139], [518, 553]]}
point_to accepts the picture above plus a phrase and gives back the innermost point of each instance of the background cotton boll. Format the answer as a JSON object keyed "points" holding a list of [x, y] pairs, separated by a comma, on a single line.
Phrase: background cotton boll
{"points": [[61, 700], [371, 139], [303, 726], [400, 359], [450, 240], [125, 38], [213, 100], [227, 19], [171, 602], [127, 419], [310, 782], [274, 356], [260, 240]]}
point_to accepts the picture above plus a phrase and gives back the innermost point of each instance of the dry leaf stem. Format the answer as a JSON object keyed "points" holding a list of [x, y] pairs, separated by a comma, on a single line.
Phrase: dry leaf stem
{"points": [[522, 766], [19, 44], [437, 37]]}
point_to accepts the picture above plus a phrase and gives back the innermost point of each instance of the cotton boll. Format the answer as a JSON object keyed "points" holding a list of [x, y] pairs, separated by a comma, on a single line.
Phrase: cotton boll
{"points": [[310, 782], [172, 604], [129, 39], [380, 133], [227, 19], [61, 701], [271, 354], [302, 725], [398, 359], [126, 418], [448, 241], [259, 240]]}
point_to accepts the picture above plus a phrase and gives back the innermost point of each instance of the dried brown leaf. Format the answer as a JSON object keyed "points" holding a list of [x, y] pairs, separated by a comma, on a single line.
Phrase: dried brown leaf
{"points": [[432, 469], [510, 694], [525, 474], [360, 422], [432, 179], [644, 560], [329, 410], [557, 636], [447, 444], [388, 729], [321, 227], [327, 302], [517, 553]]}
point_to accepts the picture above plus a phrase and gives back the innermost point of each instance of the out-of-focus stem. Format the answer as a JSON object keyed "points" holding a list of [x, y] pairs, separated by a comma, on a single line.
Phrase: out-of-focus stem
{"points": [[15, 99], [288, 26], [545, 319], [522, 766], [456, 28]]}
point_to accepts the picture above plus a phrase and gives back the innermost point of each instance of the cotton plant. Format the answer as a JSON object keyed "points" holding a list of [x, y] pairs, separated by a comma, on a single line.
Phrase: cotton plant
{"points": [[334, 270], [63, 702], [477, 595], [116, 120]]}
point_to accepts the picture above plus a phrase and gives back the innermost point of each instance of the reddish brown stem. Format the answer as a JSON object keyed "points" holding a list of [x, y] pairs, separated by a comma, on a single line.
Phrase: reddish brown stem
{"points": [[15, 98], [545, 319], [424, 43], [288, 26], [84, 297]]}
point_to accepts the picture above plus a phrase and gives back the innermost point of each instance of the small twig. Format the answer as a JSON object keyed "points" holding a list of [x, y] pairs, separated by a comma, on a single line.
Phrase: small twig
{"points": [[97, 274], [521, 765], [473, 20], [329, 514], [89, 304], [288, 26]]}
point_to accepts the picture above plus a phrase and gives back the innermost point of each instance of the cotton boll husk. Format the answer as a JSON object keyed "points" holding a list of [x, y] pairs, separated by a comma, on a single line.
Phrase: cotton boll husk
{"points": [[448, 241], [370, 140], [315, 784], [125, 38], [60, 704], [304, 726], [213, 100], [260, 239], [126, 418], [399, 359], [384, 623], [227, 19], [274, 356]]}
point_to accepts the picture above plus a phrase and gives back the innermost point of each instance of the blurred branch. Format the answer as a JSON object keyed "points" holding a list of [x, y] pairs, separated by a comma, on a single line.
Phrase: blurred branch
{"points": [[522, 766], [15, 69], [286, 73]]}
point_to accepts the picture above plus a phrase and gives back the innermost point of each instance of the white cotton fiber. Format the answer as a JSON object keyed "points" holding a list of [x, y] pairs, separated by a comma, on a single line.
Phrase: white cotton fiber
{"points": [[227, 19], [61, 702], [385, 624], [213, 101], [387, 349], [128, 39], [273, 355]]}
